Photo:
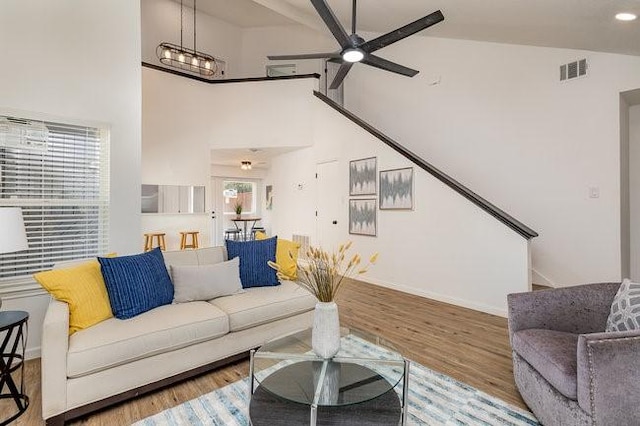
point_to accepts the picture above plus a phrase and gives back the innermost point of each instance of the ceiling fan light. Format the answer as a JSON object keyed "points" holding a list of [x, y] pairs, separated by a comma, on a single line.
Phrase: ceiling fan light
{"points": [[353, 55], [626, 16]]}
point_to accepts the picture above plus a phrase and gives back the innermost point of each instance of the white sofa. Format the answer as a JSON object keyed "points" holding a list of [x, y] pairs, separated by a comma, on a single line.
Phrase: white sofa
{"points": [[119, 359]]}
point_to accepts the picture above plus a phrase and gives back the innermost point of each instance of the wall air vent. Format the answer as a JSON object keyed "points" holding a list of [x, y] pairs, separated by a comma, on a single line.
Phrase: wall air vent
{"points": [[573, 70]]}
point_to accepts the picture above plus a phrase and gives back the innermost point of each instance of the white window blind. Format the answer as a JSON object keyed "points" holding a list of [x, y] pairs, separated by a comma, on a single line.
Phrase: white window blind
{"points": [[63, 191]]}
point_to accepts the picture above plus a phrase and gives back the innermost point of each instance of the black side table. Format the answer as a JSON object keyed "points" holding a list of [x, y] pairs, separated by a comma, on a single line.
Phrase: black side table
{"points": [[13, 329]]}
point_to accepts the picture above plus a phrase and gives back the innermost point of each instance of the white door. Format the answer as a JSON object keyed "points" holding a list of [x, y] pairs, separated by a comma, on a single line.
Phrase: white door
{"points": [[222, 212], [217, 213], [330, 206]]}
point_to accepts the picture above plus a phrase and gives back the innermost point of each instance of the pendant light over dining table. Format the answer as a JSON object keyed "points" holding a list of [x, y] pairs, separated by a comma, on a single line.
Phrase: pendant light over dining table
{"points": [[184, 58]]}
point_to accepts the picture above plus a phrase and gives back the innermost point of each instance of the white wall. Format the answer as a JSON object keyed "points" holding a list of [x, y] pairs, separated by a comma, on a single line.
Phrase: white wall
{"points": [[79, 61], [161, 23], [500, 122], [183, 120], [634, 186], [257, 43], [495, 117], [446, 248], [473, 260]]}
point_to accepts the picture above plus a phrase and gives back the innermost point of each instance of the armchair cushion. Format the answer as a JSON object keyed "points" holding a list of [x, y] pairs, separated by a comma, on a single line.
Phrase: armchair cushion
{"points": [[553, 355], [625, 309]]}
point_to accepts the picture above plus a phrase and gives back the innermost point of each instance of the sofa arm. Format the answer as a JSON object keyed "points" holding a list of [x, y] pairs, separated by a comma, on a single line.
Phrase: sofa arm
{"points": [[579, 309], [609, 377], [55, 344]]}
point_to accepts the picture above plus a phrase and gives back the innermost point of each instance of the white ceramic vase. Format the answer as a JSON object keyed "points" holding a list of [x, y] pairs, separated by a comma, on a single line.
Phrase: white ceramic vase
{"points": [[325, 338]]}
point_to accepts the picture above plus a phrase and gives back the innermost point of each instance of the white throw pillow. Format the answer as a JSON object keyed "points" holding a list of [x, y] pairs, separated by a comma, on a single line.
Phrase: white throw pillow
{"points": [[205, 282]]}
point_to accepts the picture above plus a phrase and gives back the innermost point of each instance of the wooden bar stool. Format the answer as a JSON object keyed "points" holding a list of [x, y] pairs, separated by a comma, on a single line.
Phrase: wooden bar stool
{"points": [[194, 239], [158, 236]]}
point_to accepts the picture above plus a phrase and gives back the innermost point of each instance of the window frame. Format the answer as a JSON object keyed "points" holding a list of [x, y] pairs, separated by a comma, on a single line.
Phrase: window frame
{"points": [[25, 285], [254, 196]]}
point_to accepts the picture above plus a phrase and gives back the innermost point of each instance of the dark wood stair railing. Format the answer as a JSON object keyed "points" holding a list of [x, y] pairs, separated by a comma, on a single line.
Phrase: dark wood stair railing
{"points": [[494, 211], [227, 80]]}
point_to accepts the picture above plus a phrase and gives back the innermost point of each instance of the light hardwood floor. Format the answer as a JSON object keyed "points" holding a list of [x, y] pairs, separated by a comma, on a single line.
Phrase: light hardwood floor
{"points": [[470, 346]]}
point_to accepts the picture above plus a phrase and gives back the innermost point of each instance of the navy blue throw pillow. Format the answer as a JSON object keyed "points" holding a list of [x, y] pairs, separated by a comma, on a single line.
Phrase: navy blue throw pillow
{"points": [[137, 283], [254, 255]]}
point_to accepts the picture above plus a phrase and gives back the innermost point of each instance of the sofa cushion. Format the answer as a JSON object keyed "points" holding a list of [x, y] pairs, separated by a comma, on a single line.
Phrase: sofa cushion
{"points": [[260, 305], [163, 329], [205, 282], [254, 261], [211, 255], [553, 354], [201, 256], [137, 283], [625, 309]]}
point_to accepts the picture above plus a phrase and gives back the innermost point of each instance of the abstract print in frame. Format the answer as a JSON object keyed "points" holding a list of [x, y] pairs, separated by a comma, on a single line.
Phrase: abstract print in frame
{"points": [[362, 217], [396, 189], [362, 176], [269, 197]]}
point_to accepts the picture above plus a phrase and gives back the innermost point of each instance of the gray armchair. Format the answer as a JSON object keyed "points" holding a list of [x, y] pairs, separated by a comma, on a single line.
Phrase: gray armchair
{"points": [[567, 369]]}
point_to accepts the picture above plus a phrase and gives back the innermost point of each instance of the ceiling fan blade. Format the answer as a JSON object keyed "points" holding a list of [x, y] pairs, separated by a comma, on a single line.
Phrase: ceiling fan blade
{"points": [[383, 64], [332, 22], [403, 32], [333, 55], [340, 75]]}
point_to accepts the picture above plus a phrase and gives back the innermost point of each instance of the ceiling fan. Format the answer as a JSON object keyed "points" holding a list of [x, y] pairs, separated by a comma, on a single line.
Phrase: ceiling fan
{"points": [[354, 48]]}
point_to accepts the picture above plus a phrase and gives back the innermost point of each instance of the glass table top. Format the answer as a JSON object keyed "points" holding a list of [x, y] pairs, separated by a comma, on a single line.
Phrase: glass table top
{"points": [[365, 368]]}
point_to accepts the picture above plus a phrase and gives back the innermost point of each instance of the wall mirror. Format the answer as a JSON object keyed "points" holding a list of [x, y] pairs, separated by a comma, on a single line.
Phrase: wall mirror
{"points": [[172, 199]]}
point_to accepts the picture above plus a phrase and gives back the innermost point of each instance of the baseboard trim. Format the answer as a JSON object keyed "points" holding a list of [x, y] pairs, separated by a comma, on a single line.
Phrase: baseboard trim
{"points": [[541, 279], [32, 353], [439, 297]]}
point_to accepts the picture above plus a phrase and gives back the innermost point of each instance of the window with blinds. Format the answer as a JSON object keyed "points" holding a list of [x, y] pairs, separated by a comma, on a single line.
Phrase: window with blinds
{"points": [[62, 186]]}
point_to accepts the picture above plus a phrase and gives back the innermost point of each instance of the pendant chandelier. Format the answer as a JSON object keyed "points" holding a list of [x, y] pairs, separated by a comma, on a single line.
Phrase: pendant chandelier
{"points": [[184, 58]]}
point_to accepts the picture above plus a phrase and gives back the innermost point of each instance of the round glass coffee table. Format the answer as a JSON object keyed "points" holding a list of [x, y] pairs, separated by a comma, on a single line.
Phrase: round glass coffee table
{"points": [[291, 385]]}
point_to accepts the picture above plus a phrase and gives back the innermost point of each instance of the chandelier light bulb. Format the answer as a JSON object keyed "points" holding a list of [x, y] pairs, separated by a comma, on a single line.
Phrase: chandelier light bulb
{"points": [[194, 61], [181, 57], [207, 65], [167, 53]]}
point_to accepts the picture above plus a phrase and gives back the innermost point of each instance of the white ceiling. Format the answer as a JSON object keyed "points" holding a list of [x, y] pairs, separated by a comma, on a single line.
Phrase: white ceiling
{"points": [[577, 24], [260, 157], [243, 13]]}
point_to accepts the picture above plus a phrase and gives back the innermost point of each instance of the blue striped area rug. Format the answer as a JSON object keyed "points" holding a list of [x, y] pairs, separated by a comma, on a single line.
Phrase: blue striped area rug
{"points": [[434, 399]]}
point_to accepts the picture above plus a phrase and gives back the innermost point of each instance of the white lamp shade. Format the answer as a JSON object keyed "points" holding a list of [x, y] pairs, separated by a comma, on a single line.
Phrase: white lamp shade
{"points": [[13, 236]]}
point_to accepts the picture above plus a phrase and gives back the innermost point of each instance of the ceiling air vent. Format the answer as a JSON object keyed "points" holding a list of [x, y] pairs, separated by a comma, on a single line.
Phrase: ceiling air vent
{"points": [[572, 70]]}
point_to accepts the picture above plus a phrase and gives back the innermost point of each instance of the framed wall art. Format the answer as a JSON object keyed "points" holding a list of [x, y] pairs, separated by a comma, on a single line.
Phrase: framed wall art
{"points": [[362, 176], [269, 197], [396, 189], [362, 217]]}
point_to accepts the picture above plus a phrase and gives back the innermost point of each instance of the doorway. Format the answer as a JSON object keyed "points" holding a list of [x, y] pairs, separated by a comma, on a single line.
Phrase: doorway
{"points": [[330, 206], [630, 183], [228, 194]]}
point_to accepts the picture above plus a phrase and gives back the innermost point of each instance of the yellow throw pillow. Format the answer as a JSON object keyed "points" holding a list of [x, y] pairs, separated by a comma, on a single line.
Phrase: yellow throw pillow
{"points": [[286, 256], [82, 288]]}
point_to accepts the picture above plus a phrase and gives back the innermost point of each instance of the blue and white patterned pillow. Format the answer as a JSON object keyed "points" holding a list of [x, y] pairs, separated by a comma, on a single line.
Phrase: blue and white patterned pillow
{"points": [[625, 309], [137, 283], [254, 255]]}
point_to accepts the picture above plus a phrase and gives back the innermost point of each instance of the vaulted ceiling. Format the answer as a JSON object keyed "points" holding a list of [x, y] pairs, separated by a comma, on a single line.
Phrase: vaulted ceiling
{"points": [[577, 24]]}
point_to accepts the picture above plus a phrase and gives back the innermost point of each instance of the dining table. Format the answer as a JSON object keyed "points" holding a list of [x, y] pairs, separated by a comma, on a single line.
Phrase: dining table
{"points": [[244, 221]]}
